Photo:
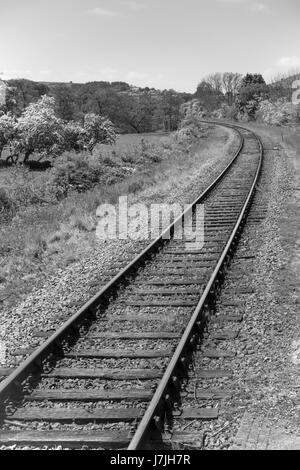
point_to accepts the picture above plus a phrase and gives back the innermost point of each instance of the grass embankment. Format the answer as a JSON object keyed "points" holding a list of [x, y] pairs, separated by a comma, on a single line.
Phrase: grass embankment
{"points": [[44, 235]]}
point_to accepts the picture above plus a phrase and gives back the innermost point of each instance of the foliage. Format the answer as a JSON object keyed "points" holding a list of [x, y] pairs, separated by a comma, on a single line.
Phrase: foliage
{"points": [[7, 130], [231, 83], [210, 97], [39, 130], [226, 112], [218, 88], [24, 188], [74, 171], [98, 130], [73, 137], [253, 79], [281, 86], [279, 113], [79, 172], [253, 90], [191, 126], [130, 108], [22, 92]]}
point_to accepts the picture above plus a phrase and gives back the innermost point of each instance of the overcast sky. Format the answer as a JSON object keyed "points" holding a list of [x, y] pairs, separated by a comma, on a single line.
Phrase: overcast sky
{"points": [[160, 43]]}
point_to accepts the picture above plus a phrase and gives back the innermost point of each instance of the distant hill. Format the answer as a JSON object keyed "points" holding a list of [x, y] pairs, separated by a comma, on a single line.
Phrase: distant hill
{"points": [[131, 108]]}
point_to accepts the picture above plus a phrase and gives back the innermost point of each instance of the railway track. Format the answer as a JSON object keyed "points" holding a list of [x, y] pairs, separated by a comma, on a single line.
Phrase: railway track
{"points": [[111, 376]]}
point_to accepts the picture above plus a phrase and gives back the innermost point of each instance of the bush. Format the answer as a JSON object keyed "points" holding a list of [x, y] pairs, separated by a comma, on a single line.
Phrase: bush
{"points": [[98, 130], [39, 131], [72, 171], [6, 204], [279, 113], [24, 188]]}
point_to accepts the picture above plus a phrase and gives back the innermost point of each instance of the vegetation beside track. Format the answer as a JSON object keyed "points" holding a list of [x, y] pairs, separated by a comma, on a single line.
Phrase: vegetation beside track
{"points": [[45, 237]]}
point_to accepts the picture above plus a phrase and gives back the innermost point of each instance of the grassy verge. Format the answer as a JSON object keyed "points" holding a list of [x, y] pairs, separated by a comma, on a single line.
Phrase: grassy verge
{"points": [[43, 237]]}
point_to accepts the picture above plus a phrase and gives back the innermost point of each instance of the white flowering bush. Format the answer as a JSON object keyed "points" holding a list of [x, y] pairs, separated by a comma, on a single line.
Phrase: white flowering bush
{"points": [[39, 130], [98, 130], [191, 126], [73, 137], [279, 113], [8, 128]]}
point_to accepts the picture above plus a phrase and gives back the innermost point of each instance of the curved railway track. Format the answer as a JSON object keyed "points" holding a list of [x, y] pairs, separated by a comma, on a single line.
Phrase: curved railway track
{"points": [[110, 377]]}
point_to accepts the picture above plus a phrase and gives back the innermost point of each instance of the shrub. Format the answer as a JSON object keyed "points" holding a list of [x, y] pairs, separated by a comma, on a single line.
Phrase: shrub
{"points": [[98, 130], [6, 203], [72, 171], [23, 188], [39, 130], [279, 113], [7, 130], [73, 137], [35, 247]]}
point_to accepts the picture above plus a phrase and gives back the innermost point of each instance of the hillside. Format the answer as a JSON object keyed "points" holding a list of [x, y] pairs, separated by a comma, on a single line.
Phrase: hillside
{"points": [[132, 109], [282, 88]]}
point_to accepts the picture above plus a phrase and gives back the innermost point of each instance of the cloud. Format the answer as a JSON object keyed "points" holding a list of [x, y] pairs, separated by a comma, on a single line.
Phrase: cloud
{"points": [[102, 12], [234, 1], [285, 66], [134, 5], [133, 76], [257, 7], [288, 62], [8, 74]]}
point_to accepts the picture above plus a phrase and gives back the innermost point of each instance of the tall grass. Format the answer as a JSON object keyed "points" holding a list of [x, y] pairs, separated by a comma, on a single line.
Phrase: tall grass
{"points": [[51, 215]]}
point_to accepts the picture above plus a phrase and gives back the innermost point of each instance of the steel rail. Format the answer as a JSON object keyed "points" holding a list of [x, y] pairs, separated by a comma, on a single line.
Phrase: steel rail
{"points": [[34, 360], [141, 433]]}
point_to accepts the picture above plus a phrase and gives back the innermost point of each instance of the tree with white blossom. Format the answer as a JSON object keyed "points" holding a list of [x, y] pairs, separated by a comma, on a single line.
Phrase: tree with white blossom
{"points": [[39, 130], [98, 130], [8, 128], [278, 113]]}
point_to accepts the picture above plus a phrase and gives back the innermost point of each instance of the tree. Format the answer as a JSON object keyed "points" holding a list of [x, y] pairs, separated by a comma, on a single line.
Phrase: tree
{"points": [[253, 79], [192, 113], [231, 83], [73, 137], [253, 90], [281, 85], [7, 130], [39, 130], [170, 105], [210, 96], [98, 130], [215, 80], [24, 92], [65, 104], [3, 89], [280, 113]]}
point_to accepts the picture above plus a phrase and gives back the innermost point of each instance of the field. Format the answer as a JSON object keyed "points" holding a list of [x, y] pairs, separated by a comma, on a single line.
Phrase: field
{"points": [[125, 142]]}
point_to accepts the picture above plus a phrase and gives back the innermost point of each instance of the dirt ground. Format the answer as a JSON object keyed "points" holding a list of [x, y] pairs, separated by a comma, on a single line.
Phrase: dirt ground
{"points": [[272, 416]]}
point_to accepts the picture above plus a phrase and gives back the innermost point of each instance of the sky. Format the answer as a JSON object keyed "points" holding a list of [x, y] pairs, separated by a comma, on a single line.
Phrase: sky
{"points": [[156, 43]]}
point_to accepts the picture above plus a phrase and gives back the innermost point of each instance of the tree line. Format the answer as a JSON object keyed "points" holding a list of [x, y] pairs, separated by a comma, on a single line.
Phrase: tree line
{"points": [[131, 109], [47, 119], [240, 97]]}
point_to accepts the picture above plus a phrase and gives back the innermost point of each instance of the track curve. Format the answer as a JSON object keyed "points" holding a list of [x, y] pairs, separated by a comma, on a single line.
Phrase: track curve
{"points": [[120, 396]]}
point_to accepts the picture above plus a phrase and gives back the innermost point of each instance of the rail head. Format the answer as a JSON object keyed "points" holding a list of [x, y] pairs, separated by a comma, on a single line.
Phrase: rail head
{"points": [[140, 435], [34, 360]]}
